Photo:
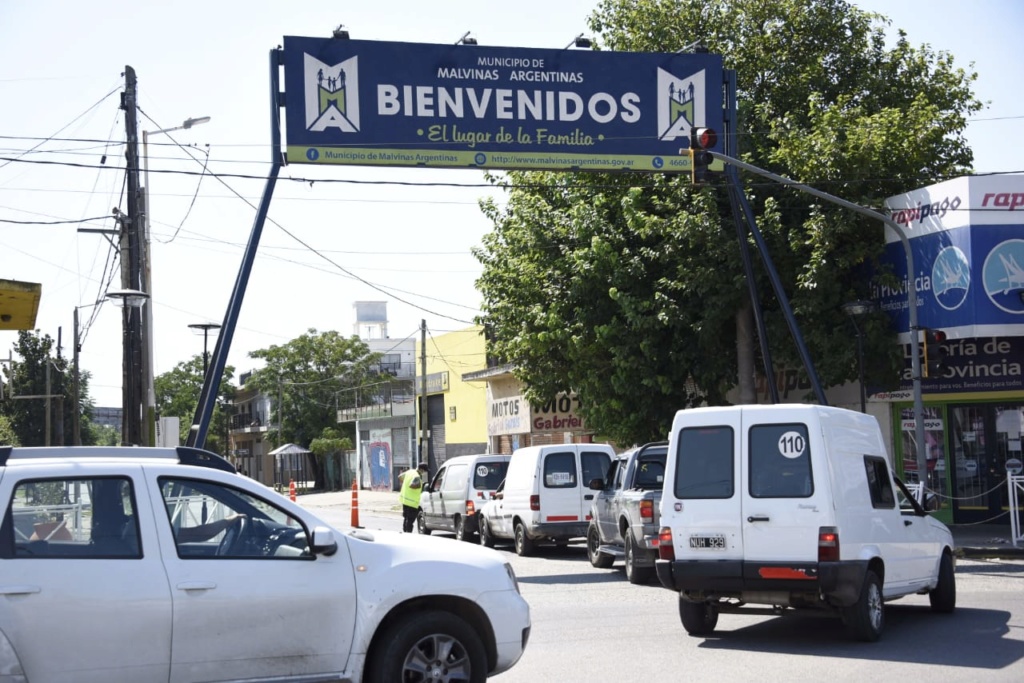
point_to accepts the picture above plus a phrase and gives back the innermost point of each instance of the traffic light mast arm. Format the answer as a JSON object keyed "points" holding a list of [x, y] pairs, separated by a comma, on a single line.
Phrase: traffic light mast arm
{"points": [[915, 352]]}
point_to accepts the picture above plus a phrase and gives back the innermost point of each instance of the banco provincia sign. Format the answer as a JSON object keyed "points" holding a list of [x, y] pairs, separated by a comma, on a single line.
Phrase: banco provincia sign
{"points": [[464, 106]]}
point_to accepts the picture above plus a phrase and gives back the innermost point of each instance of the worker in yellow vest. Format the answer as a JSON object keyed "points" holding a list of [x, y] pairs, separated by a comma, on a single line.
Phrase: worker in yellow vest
{"points": [[412, 484]]}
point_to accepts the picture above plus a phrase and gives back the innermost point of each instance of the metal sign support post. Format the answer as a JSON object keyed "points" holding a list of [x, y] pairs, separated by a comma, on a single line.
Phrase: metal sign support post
{"points": [[915, 351], [211, 381]]}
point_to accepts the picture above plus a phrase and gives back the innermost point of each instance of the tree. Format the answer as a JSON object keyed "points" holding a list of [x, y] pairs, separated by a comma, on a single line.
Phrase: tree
{"points": [[626, 288], [7, 435], [307, 374], [27, 377], [329, 448], [177, 395]]}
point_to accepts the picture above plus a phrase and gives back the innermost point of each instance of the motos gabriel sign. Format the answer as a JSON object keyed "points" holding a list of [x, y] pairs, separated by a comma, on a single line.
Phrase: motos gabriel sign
{"points": [[462, 106]]}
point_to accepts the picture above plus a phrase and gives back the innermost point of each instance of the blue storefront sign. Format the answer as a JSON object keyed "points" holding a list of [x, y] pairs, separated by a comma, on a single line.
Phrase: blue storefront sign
{"points": [[462, 106], [967, 239]]}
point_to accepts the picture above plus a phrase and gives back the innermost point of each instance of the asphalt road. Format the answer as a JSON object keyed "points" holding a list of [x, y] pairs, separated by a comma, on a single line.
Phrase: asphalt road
{"points": [[593, 625]]}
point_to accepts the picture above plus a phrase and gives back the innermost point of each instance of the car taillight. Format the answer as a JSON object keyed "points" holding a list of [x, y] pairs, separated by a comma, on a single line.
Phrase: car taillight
{"points": [[470, 507], [828, 544], [666, 551], [535, 503], [647, 510]]}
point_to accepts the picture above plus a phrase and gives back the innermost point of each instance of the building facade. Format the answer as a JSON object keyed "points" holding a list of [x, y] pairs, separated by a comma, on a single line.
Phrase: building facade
{"points": [[967, 239]]}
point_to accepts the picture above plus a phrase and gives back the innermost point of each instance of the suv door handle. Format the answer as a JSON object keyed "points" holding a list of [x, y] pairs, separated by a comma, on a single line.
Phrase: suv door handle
{"points": [[758, 518], [589, 496], [907, 522], [19, 590]]}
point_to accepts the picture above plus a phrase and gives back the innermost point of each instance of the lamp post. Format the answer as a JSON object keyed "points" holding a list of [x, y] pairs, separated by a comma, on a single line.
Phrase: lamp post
{"points": [[147, 285], [856, 310], [133, 381], [76, 416], [205, 327]]}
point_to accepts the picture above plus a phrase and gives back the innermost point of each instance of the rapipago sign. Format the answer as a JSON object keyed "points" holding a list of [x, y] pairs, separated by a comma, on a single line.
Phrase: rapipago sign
{"points": [[462, 106]]}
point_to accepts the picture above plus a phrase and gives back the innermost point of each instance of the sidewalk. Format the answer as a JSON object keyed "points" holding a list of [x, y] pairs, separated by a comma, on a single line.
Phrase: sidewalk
{"points": [[971, 540]]}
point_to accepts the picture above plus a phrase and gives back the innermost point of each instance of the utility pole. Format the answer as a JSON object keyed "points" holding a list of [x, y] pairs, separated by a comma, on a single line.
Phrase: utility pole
{"points": [[133, 398], [424, 443], [76, 429]]}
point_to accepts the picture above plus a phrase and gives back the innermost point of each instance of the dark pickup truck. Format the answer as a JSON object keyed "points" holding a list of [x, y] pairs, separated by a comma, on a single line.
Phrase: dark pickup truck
{"points": [[624, 515]]}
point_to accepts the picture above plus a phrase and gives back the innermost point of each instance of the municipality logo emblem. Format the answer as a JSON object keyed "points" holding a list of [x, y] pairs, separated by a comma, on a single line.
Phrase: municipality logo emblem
{"points": [[951, 278], [678, 100], [332, 95], [1004, 276]]}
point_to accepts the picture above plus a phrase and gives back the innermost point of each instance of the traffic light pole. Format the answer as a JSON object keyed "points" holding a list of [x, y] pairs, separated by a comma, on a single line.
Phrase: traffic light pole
{"points": [[915, 351]]}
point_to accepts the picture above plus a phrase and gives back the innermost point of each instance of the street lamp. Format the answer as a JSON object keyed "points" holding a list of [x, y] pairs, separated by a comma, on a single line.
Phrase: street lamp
{"points": [[205, 327], [131, 420], [147, 285], [856, 310]]}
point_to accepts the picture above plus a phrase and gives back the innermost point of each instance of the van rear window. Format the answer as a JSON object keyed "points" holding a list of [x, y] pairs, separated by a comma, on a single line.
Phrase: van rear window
{"points": [[560, 470], [780, 461], [487, 475], [704, 463]]}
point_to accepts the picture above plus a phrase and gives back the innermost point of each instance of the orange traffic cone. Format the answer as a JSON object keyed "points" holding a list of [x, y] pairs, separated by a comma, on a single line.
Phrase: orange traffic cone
{"points": [[291, 490], [355, 506]]}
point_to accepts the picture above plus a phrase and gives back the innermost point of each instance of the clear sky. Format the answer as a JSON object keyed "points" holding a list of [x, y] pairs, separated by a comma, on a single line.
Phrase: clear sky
{"points": [[329, 244]]}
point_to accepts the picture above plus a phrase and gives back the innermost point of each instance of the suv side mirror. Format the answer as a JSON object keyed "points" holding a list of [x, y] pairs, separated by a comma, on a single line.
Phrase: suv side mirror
{"points": [[596, 484], [324, 542]]}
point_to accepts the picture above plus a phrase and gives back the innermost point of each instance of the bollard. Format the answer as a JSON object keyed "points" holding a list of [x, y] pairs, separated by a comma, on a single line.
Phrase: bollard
{"points": [[291, 490], [355, 506]]}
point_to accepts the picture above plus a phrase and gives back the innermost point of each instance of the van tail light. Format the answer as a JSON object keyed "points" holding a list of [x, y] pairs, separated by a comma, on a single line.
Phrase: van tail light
{"points": [[535, 503], [828, 544], [666, 551], [647, 510], [470, 507]]}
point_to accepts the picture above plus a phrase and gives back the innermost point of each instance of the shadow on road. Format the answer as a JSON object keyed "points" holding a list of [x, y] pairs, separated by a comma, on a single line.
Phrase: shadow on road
{"points": [[912, 634]]}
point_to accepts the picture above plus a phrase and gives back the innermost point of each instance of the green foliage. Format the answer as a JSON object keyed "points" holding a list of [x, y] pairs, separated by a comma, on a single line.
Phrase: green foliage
{"points": [[27, 416], [330, 442], [308, 374], [177, 395], [625, 287], [7, 435]]}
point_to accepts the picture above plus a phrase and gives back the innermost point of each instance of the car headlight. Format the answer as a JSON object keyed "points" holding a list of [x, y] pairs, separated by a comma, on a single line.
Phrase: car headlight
{"points": [[512, 577]]}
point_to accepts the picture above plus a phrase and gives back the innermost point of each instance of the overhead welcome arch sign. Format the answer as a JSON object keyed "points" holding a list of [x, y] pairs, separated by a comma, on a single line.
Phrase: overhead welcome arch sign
{"points": [[462, 106]]}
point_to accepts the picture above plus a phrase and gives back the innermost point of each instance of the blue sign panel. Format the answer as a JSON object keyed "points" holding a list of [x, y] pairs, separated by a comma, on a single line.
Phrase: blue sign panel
{"points": [[464, 106], [967, 240]]}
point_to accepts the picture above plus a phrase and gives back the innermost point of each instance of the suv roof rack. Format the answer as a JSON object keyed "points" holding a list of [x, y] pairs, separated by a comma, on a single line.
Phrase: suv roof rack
{"points": [[184, 454]]}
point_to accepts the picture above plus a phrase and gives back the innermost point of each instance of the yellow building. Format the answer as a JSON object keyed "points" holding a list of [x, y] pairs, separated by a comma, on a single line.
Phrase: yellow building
{"points": [[456, 411]]}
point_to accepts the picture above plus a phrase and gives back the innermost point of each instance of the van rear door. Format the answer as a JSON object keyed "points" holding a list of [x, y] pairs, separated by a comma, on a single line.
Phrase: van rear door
{"points": [[784, 497], [701, 500], [559, 488]]}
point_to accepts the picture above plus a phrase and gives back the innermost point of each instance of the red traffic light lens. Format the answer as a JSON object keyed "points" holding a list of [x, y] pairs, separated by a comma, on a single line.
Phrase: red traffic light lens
{"points": [[705, 138], [938, 336]]}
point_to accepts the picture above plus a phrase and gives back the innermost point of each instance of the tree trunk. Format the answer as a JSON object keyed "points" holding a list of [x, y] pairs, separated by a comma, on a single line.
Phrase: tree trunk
{"points": [[745, 364]]}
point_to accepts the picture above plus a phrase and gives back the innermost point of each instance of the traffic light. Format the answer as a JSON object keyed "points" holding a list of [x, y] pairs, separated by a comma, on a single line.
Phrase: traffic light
{"points": [[934, 352], [701, 140]]}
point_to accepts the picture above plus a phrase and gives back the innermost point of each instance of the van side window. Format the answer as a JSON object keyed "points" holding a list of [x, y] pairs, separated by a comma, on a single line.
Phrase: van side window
{"points": [[594, 464], [780, 461], [704, 466], [456, 479], [560, 470], [879, 482]]}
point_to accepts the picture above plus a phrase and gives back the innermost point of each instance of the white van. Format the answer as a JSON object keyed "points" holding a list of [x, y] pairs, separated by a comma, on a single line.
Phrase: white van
{"points": [[546, 495], [793, 507], [450, 500]]}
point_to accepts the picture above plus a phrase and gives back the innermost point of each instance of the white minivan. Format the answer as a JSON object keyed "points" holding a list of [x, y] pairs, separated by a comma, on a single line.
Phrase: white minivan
{"points": [[450, 501], [546, 496], [775, 508]]}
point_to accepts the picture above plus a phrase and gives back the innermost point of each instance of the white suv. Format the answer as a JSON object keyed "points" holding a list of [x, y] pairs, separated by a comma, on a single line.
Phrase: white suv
{"points": [[152, 564], [793, 507]]}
